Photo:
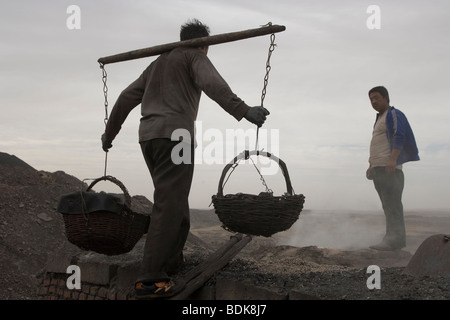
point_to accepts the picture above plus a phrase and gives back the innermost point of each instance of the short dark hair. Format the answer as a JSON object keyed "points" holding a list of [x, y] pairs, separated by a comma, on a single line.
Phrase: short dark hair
{"points": [[193, 29], [381, 90]]}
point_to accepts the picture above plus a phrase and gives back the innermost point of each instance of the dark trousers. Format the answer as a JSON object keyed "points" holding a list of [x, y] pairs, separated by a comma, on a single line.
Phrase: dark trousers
{"points": [[170, 221], [390, 189]]}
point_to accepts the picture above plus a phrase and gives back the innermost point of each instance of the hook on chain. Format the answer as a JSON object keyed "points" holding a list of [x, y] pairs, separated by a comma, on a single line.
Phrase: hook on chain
{"points": [[268, 24]]}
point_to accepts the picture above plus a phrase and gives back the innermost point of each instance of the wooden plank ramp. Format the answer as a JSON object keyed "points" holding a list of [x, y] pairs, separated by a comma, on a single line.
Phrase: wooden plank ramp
{"points": [[200, 274]]}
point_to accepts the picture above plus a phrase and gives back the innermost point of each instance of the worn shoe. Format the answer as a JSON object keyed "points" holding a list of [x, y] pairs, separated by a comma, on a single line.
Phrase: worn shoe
{"points": [[163, 289]]}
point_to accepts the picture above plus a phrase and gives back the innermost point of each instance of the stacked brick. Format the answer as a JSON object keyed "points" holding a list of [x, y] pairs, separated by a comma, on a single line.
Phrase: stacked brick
{"points": [[54, 287]]}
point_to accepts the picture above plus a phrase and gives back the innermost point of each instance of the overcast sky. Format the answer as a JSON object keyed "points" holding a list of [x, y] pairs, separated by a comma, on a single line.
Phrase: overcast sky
{"points": [[322, 68]]}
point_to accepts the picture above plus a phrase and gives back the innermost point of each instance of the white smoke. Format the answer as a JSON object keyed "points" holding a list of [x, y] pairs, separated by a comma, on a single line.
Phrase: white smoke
{"points": [[335, 229]]}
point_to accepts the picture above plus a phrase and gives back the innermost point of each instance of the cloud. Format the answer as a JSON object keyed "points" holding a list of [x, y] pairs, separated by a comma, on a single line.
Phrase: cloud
{"points": [[322, 68]]}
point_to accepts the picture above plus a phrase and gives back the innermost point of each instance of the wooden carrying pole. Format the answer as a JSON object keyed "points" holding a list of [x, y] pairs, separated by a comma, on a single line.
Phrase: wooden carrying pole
{"points": [[197, 42]]}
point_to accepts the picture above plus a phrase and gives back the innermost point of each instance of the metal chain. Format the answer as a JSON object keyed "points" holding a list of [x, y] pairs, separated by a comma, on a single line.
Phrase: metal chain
{"points": [[268, 67], [105, 90], [263, 95], [263, 181], [266, 78], [105, 93]]}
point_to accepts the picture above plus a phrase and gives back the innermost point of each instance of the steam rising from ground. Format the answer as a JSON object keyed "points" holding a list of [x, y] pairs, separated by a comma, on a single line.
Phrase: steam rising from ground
{"points": [[335, 229]]}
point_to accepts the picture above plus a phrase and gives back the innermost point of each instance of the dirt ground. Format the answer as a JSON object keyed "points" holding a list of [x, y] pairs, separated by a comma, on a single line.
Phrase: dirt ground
{"points": [[339, 271], [301, 259], [31, 229]]}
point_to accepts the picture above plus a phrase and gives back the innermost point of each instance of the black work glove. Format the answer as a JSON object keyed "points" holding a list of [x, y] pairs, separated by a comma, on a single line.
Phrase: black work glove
{"points": [[257, 115], [106, 144]]}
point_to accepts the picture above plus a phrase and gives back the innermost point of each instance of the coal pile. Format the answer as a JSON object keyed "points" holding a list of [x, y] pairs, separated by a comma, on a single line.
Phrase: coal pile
{"points": [[31, 230]]}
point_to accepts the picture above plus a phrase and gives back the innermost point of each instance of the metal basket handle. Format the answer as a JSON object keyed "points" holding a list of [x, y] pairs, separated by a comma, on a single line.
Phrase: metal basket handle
{"points": [[118, 183], [245, 155]]}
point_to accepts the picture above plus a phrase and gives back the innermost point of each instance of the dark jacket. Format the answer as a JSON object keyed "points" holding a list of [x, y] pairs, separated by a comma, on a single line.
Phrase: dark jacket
{"points": [[169, 93]]}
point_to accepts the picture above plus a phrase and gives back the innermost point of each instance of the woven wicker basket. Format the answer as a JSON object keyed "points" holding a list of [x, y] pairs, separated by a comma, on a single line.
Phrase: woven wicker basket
{"points": [[109, 232], [259, 215]]}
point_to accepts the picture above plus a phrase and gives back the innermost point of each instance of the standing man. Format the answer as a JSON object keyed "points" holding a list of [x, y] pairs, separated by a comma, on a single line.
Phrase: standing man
{"points": [[392, 145], [169, 92]]}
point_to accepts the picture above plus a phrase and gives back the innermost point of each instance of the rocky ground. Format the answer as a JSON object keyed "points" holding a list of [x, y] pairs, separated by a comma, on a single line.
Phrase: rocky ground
{"points": [[329, 274], [31, 230]]}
